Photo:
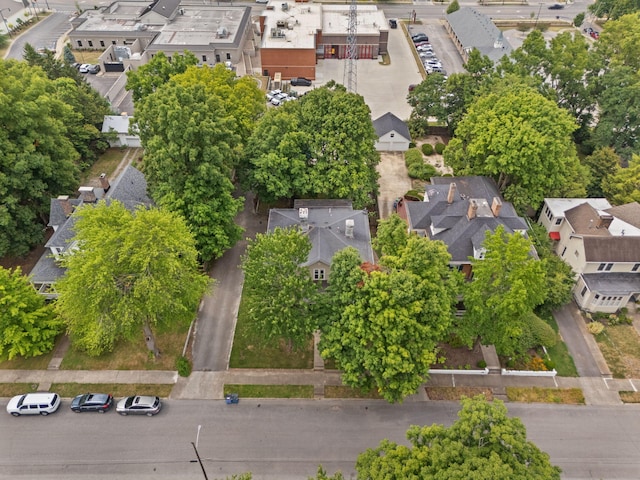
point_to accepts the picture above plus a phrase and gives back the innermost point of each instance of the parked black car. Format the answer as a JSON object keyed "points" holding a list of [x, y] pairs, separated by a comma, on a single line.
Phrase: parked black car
{"points": [[92, 402], [300, 82], [420, 37], [556, 6]]}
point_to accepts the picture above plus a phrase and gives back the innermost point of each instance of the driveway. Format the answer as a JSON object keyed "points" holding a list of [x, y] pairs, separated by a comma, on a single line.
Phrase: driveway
{"points": [[394, 181], [216, 321]]}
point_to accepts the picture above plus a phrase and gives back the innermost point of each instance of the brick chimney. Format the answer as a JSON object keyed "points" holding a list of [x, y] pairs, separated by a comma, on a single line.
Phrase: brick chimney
{"points": [[87, 195], [452, 193], [64, 202], [496, 205], [473, 209], [104, 182]]}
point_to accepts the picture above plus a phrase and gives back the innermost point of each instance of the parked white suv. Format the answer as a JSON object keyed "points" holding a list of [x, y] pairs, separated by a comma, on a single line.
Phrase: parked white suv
{"points": [[33, 404]]}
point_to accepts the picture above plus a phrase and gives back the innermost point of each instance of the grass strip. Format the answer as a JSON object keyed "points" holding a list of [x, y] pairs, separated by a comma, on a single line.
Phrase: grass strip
{"points": [[270, 391], [559, 353], [456, 393], [68, 390], [342, 391], [630, 397], [570, 396], [13, 389]]}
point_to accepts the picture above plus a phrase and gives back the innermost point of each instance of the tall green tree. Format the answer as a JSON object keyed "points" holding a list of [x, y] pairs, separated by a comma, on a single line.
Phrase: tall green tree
{"points": [[483, 444], [319, 146], [453, 7], [28, 326], [385, 333], [392, 236], [133, 273], [507, 284], [192, 145], [613, 9], [68, 55], [157, 72], [624, 185], [37, 158], [602, 164], [520, 139], [279, 292]]}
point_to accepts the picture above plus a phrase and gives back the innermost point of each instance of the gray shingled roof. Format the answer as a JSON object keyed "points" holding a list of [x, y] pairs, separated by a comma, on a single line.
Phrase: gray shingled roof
{"points": [[459, 233], [613, 283], [584, 219], [476, 30], [327, 231], [390, 123], [611, 249], [629, 213]]}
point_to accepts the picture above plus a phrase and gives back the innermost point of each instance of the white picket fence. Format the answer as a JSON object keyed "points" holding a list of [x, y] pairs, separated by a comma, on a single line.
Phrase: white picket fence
{"points": [[529, 373]]}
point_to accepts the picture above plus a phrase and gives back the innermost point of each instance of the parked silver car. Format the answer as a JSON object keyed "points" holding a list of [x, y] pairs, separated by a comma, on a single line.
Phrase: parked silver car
{"points": [[139, 405]]}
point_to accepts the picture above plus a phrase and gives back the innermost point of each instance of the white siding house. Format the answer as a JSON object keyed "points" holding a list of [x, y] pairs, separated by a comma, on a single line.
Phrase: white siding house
{"points": [[393, 134]]}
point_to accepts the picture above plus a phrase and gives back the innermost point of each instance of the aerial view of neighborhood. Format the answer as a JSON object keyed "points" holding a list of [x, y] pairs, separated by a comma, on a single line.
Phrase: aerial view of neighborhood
{"points": [[320, 239]]}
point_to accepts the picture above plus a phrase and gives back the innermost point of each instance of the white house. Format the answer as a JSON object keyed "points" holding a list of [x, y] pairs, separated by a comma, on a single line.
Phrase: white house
{"points": [[393, 134], [601, 243], [123, 126]]}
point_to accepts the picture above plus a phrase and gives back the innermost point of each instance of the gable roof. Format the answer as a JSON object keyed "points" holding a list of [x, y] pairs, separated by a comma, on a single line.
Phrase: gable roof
{"points": [[629, 213], [476, 30], [611, 249], [440, 220], [585, 220], [325, 228], [390, 123]]}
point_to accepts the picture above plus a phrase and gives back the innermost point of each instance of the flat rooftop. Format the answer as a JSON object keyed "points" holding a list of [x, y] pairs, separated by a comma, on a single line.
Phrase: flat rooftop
{"points": [[203, 25], [96, 21], [294, 27], [335, 20]]}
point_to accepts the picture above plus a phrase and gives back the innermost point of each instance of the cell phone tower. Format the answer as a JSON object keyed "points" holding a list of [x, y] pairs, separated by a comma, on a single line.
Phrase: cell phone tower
{"points": [[350, 79]]}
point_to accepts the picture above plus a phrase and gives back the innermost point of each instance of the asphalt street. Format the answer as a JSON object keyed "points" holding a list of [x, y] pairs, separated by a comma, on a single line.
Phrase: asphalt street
{"points": [[45, 34], [288, 439]]}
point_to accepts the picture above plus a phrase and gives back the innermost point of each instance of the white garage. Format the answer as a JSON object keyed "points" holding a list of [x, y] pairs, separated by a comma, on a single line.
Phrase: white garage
{"points": [[393, 134]]}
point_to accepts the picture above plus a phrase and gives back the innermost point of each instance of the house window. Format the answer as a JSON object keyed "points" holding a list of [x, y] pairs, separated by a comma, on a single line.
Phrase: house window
{"points": [[204, 58], [318, 274], [102, 43], [113, 42], [228, 56], [605, 267], [90, 43], [558, 221], [576, 254], [80, 43], [547, 212], [564, 250], [635, 267], [392, 135], [217, 58], [584, 290]]}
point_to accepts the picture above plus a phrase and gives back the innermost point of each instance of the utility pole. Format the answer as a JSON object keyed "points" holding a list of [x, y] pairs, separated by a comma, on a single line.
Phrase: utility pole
{"points": [[200, 462], [351, 68]]}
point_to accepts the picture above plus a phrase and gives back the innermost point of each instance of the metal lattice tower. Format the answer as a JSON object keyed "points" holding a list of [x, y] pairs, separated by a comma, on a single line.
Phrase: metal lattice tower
{"points": [[350, 67]]}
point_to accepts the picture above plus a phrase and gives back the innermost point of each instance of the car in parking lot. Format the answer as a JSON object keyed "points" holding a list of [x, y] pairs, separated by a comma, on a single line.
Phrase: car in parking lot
{"points": [[421, 44], [393, 23], [420, 37], [33, 404], [92, 402], [84, 68], [139, 405], [300, 82], [94, 69], [276, 102], [424, 48], [595, 35]]}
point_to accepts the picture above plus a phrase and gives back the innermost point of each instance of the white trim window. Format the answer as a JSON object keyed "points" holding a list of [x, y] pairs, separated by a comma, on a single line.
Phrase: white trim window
{"points": [[319, 274]]}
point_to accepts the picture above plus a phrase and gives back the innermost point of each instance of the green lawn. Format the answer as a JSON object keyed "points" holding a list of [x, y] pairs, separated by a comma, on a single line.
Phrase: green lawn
{"points": [[13, 389], [107, 163], [251, 350], [69, 390], [270, 391], [559, 353]]}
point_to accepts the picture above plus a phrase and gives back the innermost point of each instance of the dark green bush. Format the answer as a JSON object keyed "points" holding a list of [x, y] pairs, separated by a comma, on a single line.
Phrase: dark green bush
{"points": [[540, 331], [482, 364], [440, 148], [421, 171], [427, 148], [183, 365], [412, 145], [412, 156]]}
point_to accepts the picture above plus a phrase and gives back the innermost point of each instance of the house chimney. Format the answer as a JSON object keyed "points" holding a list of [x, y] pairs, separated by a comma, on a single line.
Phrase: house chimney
{"points": [[348, 231], [64, 202], [104, 182], [452, 193], [87, 195], [473, 208], [303, 215], [496, 205], [604, 220]]}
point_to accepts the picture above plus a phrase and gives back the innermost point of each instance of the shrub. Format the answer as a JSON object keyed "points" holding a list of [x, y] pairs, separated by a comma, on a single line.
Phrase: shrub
{"points": [[440, 148], [412, 156], [427, 148], [537, 365], [550, 364], [421, 171], [541, 331], [412, 145], [183, 365], [595, 328], [481, 364], [414, 195]]}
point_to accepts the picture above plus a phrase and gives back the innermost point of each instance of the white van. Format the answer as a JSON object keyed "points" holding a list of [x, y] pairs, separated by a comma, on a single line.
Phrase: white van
{"points": [[33, 404]]}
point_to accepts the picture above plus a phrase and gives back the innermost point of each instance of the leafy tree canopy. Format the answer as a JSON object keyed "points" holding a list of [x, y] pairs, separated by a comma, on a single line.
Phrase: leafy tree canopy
{"points": [[149, 77], [483, 444], [520, 139], [624, 185], [38, 158], [319, 146], [387, 322], [279, 292], [392, 236], [132, 272], [602, 164], [507, 284], [28, 326], [613, 9]]}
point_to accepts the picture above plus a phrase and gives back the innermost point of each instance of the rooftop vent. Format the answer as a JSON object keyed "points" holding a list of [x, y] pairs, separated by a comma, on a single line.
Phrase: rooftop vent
{"points": [[349, 225]]}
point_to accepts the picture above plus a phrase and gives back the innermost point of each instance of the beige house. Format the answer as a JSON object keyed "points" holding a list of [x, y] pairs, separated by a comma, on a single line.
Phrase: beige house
{"points": [[601, 243]]}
